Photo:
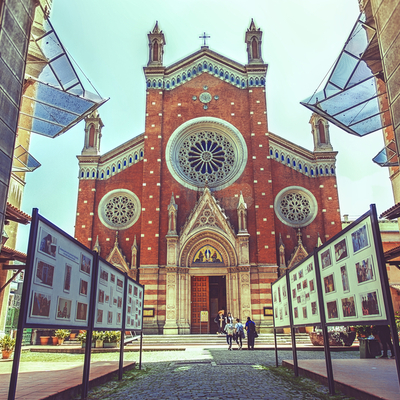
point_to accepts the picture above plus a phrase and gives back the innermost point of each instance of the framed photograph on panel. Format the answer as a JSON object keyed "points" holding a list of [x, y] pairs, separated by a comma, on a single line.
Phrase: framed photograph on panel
{"points": [[99, 316], [63, 308], [47, 243], [332, 310], [365, 270], [81, 311], [359, 239], [348, 307], [44, 274], [83, 287], [86, 264], [326, 259], [67, 278], [40, 305], [329, 284], [370, 304], [344, 278], [341, 250]]}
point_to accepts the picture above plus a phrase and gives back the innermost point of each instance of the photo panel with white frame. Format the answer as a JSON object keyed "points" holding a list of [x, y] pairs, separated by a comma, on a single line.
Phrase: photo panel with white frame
{"points": [[59, 290], [280, 302], [351, 285], [109, 298], [134, 306], [304, 295]]}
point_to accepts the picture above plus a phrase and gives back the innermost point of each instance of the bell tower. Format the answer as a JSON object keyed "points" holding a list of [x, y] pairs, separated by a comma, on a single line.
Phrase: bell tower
{"points": [[93, 126], [156, 47], [253, 41], [320, 132]]}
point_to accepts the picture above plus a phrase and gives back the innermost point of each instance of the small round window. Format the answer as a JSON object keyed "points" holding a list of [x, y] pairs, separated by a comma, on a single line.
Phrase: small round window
{"points": [[119, 209], [296, 206]]}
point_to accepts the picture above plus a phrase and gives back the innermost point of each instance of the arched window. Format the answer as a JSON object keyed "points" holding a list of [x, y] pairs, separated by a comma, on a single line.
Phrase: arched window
{"points": [[113, 168], [312, 172], [326, 171], [108, 172], [119, 165], [306, 169], [148, 84], [136, 157], [160, 84], [221, 73], [97, 175], [154, 84], [321, 171], [254, 48], [155, 51], [321, 132], [184, 77], [257, 82], [130, 160], [271, 152], [178, 79], [276, 155], [232, 79], [216, 70], [332, 171], [288, 160], [141, 153], [87, 174], [167, 85], [102, 175], [82, 174], [251, 82], [91, 136], [93, 174], [124, 163], [262, 81], [300, 167], [243, 84], [189, 74], [282, 158], [173, 82], [294, 163], [237, 81]]}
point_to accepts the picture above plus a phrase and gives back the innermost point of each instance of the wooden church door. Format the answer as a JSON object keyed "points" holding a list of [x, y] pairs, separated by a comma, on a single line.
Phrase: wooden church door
{"points": [[200, 302]]}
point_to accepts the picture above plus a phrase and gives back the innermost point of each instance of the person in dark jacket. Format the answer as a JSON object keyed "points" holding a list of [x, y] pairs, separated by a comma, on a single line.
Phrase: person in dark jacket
{"points": [[384, 336], [220, 321], [251, 333]]}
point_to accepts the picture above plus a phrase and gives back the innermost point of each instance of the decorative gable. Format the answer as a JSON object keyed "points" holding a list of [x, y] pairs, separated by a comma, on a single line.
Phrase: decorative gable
{"points": [[117, 258]]}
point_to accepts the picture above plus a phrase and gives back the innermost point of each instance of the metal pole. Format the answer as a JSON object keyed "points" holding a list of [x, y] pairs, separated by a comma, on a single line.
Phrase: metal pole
{"points": [[276, 349], [140, 349], [200, 322], [328, 360]]}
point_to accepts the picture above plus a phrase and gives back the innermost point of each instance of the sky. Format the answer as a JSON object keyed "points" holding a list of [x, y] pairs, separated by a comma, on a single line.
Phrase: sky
{"points": [[108, 40]]}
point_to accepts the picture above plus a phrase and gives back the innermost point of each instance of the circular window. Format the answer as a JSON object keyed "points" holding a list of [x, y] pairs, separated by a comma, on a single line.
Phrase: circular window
{"points": [[296, 206], [206, 151], [119, 209]]}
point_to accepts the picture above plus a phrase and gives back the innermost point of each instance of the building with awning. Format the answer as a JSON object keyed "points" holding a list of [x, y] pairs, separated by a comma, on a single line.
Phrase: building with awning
{"points": [[42, 91]]}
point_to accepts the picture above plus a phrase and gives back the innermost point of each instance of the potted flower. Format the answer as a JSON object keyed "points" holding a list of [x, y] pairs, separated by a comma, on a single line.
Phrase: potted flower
{"points": [[337, 336], [98, 338], [363, 331], [112, 338], [61, 334], [7, 344]]}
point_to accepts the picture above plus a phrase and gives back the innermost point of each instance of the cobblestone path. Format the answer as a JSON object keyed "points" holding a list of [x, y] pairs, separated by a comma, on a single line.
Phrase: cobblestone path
{"points": [[215, 374]]}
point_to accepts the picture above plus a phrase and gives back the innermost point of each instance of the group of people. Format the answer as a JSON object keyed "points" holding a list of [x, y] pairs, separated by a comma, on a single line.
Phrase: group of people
{"points": [[234, 330]]}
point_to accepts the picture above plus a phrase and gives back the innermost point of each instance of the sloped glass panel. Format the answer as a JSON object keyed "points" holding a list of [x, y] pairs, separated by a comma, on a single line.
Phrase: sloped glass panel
{"points": [[50, 46], [358, 40], [361, 73], [23, 161], [65, 72], [343, 70], [355, 107]]}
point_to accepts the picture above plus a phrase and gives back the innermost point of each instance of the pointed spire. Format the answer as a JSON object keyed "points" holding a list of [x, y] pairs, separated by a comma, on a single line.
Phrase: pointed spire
{"points": [[241, 203], [253, 40], [299, 241], [320, 132], [93, 126], [97, 247], [282, 257], [156, 29], [156, 47], [252, 26], [319, 241], [116, 244]]}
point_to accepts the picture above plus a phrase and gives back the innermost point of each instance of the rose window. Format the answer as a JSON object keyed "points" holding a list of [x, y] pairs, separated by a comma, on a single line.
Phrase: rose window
{"points": [[296, 206], [208, 152], [206, 157], [119, 209]]}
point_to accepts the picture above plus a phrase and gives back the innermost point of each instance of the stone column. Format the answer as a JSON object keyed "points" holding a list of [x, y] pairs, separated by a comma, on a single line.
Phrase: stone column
{"points": [[245, 293], [184, 301], [232, 289], [172, 295]]}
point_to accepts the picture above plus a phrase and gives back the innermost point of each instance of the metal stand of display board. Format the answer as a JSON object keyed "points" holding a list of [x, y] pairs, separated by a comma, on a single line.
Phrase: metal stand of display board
{"points": [[292, 332], [276, 349], [140, 350], [328, 360]]}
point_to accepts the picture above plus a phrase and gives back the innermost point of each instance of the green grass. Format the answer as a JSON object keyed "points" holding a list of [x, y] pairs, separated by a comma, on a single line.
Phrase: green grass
{"points": [[305, 385]]}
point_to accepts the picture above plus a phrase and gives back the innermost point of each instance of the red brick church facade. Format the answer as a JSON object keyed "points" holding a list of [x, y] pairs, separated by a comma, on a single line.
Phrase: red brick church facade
{"points": [[207, 206]]}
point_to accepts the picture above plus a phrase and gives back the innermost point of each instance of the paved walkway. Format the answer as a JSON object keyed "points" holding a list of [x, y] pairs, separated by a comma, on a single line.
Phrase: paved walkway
{"points": [[198, 373]]}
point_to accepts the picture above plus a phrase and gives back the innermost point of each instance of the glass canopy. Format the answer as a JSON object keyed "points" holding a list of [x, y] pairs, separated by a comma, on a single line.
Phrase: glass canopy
{"points": [[24, 161], [350, 98], [54, 97]]}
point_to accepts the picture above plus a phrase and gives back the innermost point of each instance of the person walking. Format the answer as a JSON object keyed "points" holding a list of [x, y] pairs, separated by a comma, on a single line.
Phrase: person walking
{"points": [[384, 336], [229, 329], [229, 319], [251, 333], [239, 331]]}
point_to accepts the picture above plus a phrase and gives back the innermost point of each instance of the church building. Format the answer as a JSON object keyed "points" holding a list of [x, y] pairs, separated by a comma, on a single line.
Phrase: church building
{"points": [[207, 207]]}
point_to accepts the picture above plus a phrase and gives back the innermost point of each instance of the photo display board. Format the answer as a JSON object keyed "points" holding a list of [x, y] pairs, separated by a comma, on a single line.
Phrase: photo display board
{"points": [[280, 302], [304, 294], [109, 297], [134, 306], [350, 277], [61, 279]]}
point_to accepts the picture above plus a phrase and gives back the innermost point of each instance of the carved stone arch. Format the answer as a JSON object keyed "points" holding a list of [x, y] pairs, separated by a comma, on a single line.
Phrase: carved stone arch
{"points": [[216, 240]]}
